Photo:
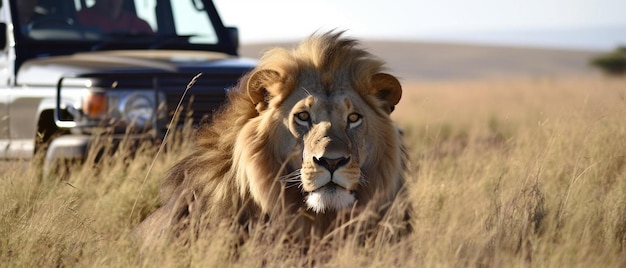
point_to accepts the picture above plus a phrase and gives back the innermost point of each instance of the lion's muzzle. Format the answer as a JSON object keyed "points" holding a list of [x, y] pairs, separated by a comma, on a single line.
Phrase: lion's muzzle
{"points": [[330, 183]]}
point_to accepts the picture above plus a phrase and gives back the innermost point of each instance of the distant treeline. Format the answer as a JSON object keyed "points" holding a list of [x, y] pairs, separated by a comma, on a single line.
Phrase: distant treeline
{"points": [[612, 63]]}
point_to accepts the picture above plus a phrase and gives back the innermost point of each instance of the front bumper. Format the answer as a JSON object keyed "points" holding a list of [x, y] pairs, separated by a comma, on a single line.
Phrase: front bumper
{"points": [[77, 147]]}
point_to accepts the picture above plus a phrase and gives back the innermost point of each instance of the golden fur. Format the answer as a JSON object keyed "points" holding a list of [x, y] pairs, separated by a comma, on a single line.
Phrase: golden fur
{"points": [[307, 134]]}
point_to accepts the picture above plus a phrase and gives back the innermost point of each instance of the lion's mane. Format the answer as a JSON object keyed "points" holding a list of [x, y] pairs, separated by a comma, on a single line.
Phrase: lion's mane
{"points": [[234, 171]]}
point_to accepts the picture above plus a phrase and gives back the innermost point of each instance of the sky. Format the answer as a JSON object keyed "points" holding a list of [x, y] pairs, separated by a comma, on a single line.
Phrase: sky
{"points": [[579, 24]]}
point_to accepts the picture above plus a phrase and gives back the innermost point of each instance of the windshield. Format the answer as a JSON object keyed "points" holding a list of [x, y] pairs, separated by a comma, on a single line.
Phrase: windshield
{"points": [[165, 21]]}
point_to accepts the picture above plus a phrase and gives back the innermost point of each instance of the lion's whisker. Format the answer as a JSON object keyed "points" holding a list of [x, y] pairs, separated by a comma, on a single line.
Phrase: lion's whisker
{"points": [[292, 181], [291, 185], [291, 177]]}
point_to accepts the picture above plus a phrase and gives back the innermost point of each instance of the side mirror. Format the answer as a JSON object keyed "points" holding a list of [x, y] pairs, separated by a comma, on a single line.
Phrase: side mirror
{"points": [[3, 35], [233, 35]]}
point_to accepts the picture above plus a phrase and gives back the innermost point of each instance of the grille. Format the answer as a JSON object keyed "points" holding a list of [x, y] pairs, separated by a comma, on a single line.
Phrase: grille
{"points": [[204, 97]]}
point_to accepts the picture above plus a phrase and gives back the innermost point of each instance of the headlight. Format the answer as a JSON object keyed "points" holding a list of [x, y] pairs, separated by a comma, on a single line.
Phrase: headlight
{"points": [[122, 108], [137, 109], [95, 104]]}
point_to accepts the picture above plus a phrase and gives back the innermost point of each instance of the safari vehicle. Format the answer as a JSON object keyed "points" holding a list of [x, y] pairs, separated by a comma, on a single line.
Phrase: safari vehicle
{"points": [[60, 80]]}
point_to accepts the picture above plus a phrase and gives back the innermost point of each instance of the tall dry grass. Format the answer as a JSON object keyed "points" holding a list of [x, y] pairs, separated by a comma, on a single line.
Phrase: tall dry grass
{"points": [[515, 172]]}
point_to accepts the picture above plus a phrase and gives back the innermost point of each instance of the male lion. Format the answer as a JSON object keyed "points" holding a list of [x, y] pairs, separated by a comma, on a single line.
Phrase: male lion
{"points": [[306, 136]]}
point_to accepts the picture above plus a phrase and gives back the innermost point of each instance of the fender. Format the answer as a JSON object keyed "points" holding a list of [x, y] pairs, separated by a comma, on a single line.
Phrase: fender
{"points": [[50, 105]]}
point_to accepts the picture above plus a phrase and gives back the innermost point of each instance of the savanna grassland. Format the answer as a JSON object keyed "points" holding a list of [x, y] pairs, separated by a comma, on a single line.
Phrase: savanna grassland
{"points": [[505, 173]]}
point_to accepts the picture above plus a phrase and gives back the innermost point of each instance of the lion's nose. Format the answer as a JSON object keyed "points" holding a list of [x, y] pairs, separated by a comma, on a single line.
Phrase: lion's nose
{"points": [[331, 164]]}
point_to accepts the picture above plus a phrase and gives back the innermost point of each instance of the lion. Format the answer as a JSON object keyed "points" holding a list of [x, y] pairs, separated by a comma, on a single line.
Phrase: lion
{"points": [[305, 136]]}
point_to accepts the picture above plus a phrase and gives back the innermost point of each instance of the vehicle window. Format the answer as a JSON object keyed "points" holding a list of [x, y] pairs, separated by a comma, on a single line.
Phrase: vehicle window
{"points": [[27, 11], [146, 10], [188, 14], [112, 16], [93, 20]]}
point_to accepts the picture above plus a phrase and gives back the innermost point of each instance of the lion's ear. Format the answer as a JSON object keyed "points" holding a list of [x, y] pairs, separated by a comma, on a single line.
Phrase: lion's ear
{"points": [[388, 89], [260, 85]]}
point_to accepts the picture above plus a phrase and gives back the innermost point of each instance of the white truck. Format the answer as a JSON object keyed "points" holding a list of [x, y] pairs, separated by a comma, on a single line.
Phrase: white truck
{"points": [[61, 79]]}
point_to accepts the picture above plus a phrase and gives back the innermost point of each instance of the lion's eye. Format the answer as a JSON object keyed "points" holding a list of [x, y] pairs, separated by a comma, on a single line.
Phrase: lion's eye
{"points": [[303, 118], [354, 119]]}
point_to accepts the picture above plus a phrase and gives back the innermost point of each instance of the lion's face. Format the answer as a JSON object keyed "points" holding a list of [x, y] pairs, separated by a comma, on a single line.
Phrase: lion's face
{"points": [[329, 133]]}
